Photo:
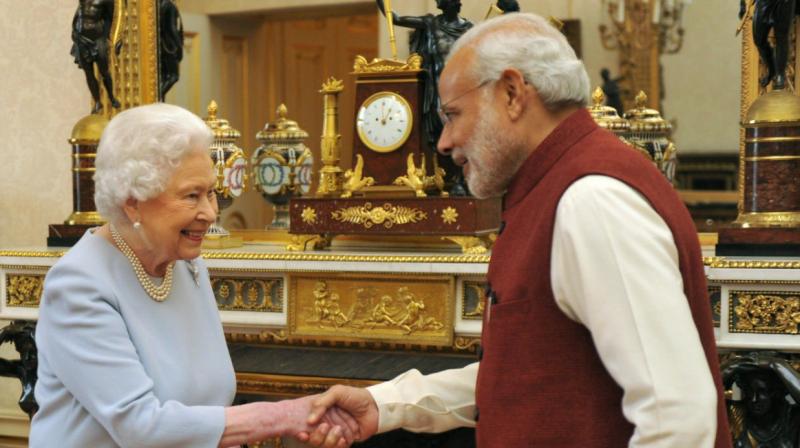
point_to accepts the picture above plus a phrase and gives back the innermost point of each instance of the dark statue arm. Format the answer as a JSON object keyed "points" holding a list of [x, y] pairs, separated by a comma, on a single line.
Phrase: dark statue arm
{"points": [[789, 376], [404, 21]]}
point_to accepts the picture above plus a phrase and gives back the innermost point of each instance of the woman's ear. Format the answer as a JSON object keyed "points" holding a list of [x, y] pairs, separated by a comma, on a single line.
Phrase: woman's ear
{"points": [[131, 209]]}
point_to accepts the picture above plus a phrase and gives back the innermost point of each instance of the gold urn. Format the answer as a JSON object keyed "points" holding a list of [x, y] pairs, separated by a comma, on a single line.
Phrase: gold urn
{"points": [[230, 166], [606, 116], [282, 165], [651, 133]]}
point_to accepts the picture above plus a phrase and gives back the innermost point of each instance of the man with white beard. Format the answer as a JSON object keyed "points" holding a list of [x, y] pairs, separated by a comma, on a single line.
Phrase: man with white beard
{"points": [[597, 330]]}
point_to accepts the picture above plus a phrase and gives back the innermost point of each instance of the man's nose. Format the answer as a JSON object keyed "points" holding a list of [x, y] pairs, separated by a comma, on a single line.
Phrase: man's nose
{"points": [[445, 144]]}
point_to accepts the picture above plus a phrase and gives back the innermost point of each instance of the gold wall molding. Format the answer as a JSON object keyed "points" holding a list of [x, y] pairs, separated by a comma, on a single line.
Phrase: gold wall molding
{"points": [[723, 263], [292, 256], [766, 312], [33, 253], [24, 290]]}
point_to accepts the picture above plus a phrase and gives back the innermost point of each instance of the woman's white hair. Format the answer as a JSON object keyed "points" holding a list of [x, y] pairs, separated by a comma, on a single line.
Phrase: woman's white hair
{"points": [[530, 44], [138, 152]]}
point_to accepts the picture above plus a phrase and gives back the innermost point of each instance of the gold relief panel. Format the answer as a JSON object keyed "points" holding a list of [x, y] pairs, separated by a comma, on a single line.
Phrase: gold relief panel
{"points": [[24, 290], [768, 312], [248, 294], [473, 300], [386, 308]]}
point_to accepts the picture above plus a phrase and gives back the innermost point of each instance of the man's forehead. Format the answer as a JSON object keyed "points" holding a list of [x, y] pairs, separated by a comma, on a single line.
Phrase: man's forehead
{"points": [[457, 69]]}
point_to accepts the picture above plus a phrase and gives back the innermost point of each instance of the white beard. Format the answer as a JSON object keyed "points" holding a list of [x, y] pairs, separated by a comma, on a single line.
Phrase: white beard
{"points": [[493, 158]]}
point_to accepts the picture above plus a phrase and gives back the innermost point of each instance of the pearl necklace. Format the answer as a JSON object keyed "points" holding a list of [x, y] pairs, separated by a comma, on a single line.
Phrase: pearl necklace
{"points": [[157, 293]]}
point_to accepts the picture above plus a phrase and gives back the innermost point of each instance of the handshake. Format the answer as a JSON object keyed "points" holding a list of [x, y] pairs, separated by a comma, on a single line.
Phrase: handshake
{"points": [[334, 419]]}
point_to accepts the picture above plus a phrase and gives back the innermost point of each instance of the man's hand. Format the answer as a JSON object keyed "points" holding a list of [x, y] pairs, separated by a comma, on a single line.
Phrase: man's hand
{"points": [[335, 428], [354, 401]]}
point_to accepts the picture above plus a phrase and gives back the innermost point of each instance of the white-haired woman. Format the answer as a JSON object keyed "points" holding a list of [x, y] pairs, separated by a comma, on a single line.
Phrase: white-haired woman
{"points": [[131, 348]]}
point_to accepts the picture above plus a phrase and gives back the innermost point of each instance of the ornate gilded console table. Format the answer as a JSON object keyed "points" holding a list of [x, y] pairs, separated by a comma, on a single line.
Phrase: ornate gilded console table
{"points": [[297, 323]]}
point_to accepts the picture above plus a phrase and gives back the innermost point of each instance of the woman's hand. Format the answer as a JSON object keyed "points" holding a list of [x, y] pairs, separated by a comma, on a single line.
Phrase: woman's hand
{"points": [[259, 421]]}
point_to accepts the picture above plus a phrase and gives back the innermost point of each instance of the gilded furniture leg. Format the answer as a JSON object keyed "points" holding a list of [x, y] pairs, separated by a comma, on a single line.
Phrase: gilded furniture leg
{"points": [[21, 334], [470, 244], [300, 242]]}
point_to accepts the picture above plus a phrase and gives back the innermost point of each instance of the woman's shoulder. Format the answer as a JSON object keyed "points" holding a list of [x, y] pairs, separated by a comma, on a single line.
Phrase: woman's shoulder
{"points": [[87, 266]]}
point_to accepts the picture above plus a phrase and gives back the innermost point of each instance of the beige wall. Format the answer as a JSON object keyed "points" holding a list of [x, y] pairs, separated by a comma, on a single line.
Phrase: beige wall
{"points": [[43, 95]]}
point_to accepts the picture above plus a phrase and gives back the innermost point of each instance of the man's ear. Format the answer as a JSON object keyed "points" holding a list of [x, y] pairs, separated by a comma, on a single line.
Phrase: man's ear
{"points": [[516, 91], [131, 209]]}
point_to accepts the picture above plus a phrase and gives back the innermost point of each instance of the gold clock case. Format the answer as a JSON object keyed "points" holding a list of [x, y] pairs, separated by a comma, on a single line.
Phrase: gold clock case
{"points": [[406, 80], [409, 112]]}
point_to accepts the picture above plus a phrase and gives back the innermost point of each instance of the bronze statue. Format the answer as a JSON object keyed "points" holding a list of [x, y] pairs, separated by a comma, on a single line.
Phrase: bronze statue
{"points": [[21, 335], [508, 6], [778, 16], [770, 395], [432, 39], [91, 31], [612, 91], [170, 46]]}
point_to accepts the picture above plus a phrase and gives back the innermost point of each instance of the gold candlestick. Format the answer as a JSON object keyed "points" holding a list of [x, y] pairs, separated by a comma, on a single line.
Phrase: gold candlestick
{"points": [[330, 175], [390, 23]]}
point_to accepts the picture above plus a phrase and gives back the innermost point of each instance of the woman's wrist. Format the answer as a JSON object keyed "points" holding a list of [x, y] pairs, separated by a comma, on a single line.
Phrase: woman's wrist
{"points": [[248, 423]]}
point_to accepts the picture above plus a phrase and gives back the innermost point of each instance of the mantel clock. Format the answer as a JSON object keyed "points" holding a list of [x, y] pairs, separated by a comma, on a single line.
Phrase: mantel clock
{"points": [[389, 116]]}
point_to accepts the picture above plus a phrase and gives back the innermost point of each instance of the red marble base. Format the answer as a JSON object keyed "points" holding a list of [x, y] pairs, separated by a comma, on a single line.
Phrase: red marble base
{"points": [[759, 241], [66, 235]]}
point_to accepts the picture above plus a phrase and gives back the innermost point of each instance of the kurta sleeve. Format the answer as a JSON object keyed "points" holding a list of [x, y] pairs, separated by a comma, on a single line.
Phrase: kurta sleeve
{"points": [[615, 270], [89, 350], [427, 403]]}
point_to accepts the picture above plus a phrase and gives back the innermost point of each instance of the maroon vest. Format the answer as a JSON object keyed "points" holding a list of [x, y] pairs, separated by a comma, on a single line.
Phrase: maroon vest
{"points": [[541, 382]]}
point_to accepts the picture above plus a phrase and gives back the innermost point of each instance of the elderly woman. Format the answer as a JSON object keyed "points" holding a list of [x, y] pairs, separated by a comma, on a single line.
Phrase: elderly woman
{"points": [[131, 348]]}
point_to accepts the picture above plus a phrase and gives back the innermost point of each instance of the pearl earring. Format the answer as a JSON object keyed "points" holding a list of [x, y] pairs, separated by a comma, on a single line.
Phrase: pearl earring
{"points": [[137, 226]]}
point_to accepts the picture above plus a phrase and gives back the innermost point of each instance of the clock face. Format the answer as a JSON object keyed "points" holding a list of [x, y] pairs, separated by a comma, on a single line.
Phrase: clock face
{"points": [[384, 121]]}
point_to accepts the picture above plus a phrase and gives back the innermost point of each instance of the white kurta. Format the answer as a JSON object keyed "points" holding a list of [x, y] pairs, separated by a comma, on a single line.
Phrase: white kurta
{"points": [[117, 368], [608, 242]]}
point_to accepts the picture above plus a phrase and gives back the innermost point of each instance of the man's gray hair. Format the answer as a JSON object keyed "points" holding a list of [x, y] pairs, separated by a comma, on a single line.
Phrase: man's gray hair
{"points": [[530, 44], [138, 152]]}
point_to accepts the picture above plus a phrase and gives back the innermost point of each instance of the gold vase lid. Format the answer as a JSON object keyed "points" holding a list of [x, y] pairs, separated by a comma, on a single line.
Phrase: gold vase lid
{"points": [[644, 119], [219, 126], [775, 107], [281, 130], [88, 129], [606, 116]]}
